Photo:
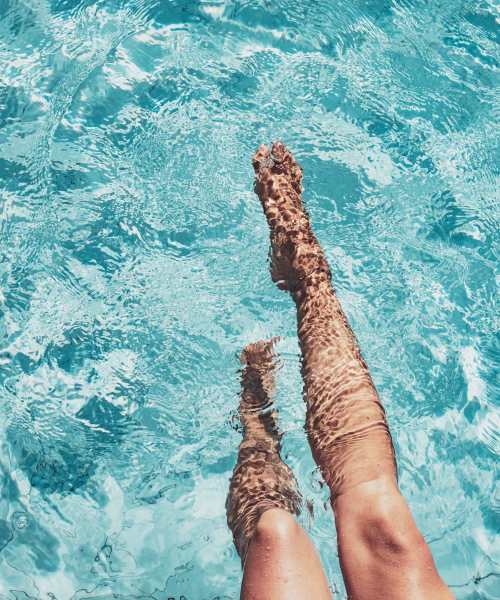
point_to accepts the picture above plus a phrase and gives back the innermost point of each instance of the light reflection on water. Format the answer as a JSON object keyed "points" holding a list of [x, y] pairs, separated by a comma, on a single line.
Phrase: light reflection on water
{"points": [[133, 270]]}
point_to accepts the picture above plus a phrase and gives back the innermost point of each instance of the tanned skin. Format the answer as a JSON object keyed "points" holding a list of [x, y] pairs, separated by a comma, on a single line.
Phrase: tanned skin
{"points": [[382, 553]]}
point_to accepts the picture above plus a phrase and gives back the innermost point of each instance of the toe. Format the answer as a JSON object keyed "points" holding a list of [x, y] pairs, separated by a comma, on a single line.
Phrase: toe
{"points": [[286, 164], [259, 352], [261, 158], [278, 151]]}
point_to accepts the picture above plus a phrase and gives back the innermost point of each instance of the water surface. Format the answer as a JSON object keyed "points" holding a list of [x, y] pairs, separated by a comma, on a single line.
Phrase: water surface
{"points": [[133, 270]]}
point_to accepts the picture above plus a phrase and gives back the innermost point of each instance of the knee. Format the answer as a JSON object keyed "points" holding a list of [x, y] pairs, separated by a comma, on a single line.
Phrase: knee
{"points": [[276, 527], [382, 524], [391, 534]]}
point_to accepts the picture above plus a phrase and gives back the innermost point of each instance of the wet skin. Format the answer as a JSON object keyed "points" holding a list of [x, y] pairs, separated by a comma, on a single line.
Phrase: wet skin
{"points": [[382, 553]]}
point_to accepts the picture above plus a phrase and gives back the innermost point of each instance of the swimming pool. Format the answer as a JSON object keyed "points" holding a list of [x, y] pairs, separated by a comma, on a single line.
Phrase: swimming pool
{"points": [[133, 271]]}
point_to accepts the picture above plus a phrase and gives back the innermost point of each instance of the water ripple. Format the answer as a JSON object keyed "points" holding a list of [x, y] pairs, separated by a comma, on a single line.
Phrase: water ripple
{"points": [[133, 269]]}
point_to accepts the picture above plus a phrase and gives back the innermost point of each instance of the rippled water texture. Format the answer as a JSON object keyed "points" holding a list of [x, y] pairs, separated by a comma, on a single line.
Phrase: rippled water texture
{"points": [[133, 270]]}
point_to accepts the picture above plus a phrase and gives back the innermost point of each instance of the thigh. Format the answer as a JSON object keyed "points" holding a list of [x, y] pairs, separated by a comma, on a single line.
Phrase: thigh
{"points": [[282, 563]]}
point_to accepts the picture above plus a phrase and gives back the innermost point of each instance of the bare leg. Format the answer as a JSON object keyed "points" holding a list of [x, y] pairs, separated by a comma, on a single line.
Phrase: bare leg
{"points": [[381, 551], [279, 560]]}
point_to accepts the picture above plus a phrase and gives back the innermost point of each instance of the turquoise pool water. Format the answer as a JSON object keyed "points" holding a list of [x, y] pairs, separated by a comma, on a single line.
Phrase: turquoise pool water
{"points": [[133, 270]]}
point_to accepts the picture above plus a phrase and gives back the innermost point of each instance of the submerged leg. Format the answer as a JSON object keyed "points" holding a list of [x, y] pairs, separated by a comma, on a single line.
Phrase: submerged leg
{"points": [[279, 559], [381, 551]]}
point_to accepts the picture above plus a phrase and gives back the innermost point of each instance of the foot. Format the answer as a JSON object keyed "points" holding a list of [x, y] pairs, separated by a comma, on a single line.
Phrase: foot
{"points": [[296, 256], [258, 375]]}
